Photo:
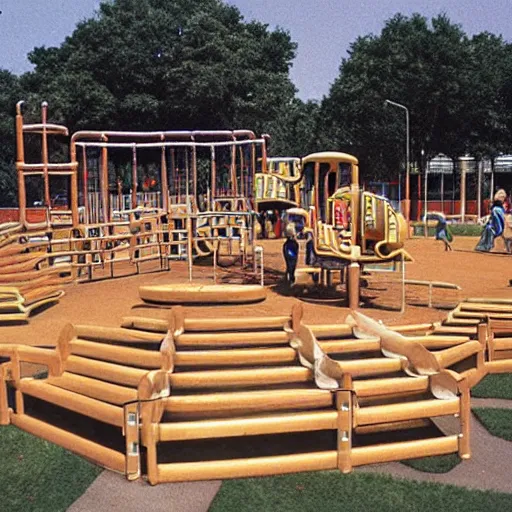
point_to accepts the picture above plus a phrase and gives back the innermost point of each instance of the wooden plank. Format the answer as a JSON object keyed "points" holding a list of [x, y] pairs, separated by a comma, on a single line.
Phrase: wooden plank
{"points": [[98, 389], [406, 450], [97, 453], [240, 378], [406, 411], [250, 401], [251, 467], [87, 406], [256, 425]]}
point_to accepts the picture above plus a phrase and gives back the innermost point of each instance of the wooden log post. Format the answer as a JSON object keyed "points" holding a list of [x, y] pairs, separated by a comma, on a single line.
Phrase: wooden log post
{"points": [[344, 408], [44, 156], [164, 181], [353, 290], [20, 161], [465, 413], [131, 433], [153, 386], [4, 403]]}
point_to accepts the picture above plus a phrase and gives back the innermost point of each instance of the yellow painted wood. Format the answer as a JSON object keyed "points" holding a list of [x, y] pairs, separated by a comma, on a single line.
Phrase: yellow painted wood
{"points": [[98, 389], [406, 411], [250, 401], [101, 455], [405, 450], [255, 425], [240, 378], [101, 411], [241, 468]]}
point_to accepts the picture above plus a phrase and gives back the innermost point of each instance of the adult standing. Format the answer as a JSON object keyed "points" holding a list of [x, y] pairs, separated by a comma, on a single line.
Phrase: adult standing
{"points": [[495, 225]]}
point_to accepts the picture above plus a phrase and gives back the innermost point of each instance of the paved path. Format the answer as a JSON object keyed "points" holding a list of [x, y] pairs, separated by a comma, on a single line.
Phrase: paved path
{"points": [[488, 469], [113, 493]]}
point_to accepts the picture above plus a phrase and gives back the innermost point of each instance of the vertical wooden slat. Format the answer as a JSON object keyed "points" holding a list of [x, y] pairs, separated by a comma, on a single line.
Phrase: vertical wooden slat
{"points": [[465, 405]]}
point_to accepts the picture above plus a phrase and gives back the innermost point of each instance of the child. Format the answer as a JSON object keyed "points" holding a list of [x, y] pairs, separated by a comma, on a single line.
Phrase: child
{"points": [[290, 253], [443, 233]]}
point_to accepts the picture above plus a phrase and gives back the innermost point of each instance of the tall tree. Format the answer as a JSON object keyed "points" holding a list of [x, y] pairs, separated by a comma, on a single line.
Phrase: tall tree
{"points": [[9, 94], [296, 129], [423, 66], [488, 103], [166, 64]]}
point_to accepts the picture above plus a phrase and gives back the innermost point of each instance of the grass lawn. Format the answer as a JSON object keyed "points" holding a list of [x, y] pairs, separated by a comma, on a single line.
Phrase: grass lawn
{"points": [[38, 476], [439, 464], [494, 386], [357, 492], [498, 422]]}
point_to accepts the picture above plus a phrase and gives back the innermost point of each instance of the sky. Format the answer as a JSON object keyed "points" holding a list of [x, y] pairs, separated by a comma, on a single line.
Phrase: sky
{"points": [[323, 29]]}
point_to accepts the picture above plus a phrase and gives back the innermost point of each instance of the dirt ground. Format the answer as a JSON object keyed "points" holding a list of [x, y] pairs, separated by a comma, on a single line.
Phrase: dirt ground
{"points": [[106, 302]]}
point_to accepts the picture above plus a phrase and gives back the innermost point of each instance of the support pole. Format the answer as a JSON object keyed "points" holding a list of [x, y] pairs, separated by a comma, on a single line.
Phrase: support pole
{"points": [[190, 229], [119, 194], [173, 175], [442, 191], [194, 174], [73, 199], [189, 245], [164, 183], [354, 271], [104, 184], [418, 209], [344, 408], [20, 160], [215, 246], [134, 177], [85, 185], [213, 176], [402, 307], [479, 190], [463, 193], [425, 209], [44, 151], [234, 183]]}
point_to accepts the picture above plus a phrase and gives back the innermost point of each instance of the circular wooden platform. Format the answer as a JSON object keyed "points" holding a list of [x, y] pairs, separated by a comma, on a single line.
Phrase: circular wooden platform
{"points": [[202, 294]]}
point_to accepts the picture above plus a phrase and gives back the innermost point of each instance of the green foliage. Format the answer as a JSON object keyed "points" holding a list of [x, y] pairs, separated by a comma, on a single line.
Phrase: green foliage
{"points": [[9, 95], [466, 229], [150, 64], [497, 421], [455, 229], [296, 130], [457, 104], [357, 492], [39, 476], [494, 386], [178, 65]]}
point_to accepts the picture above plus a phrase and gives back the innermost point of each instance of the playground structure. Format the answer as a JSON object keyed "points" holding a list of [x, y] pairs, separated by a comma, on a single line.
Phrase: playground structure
{"points": [[126, 198], [235, 397], [200, 171], [202, 294], [278, 186], [350, 228]]}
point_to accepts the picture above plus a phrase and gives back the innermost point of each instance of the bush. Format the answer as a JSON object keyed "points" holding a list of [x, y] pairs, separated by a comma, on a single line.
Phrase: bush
{"points": [[456, 229], [466, 229]]}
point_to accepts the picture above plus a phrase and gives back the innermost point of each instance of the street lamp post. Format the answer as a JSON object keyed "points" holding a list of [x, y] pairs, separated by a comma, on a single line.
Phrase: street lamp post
{"points": [[407, 170]]}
